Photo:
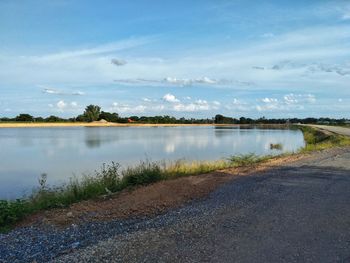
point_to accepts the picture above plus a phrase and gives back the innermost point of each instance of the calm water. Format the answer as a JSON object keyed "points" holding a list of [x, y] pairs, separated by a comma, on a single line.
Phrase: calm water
{"points": [[64, 152]]}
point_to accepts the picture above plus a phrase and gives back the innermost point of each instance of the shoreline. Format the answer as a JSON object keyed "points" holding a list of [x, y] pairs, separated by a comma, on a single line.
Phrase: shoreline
{"points": [[112, 124], [96, 186]]}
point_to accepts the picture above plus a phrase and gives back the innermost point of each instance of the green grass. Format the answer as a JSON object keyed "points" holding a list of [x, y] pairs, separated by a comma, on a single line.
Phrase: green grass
{"points": [[110, 179], [317, 140], [247, 160]]}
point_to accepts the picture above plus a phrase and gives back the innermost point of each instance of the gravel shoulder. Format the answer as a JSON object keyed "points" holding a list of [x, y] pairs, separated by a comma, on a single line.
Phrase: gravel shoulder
{"points": [[296, 210]]}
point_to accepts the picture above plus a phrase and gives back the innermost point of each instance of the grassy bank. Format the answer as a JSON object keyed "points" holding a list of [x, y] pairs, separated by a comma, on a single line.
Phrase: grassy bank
{"points": [[110, 179], [316, 139]]}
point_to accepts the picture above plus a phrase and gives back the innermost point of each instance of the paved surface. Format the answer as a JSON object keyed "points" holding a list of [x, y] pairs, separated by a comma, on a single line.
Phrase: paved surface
{"points": [[299, 212], [335, 129]]}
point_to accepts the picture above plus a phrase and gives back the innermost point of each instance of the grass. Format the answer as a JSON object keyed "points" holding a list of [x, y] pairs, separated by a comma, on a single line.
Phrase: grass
{"points": [[247, 160], [317, 140], [110, 179]]}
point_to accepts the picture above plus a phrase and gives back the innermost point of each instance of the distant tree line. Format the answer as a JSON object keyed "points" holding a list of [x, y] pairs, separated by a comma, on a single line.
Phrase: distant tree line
{"points": [[94, 113]]}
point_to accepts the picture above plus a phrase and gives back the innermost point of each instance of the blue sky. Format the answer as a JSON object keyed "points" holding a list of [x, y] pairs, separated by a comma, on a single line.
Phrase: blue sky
{"points": [[182, 58]]}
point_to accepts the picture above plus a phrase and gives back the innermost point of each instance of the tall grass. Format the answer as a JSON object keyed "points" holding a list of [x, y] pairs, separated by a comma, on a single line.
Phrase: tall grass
{"points": [[247, 160], [107, 180]]}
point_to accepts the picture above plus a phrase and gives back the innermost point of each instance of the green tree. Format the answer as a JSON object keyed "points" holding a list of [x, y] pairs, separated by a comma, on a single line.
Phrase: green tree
{"points": [[24, 117], [53, 119], [219, 119], [92, 113], [110, 117]]}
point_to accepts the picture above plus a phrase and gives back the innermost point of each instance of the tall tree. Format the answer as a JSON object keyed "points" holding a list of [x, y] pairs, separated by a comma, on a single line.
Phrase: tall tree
{"points": [[24, 117], [92, 112]]}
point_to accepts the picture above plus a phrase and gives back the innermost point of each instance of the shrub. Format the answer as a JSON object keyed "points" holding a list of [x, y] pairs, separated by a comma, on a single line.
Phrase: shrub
{"points": [[246, 160], [142, 174]]}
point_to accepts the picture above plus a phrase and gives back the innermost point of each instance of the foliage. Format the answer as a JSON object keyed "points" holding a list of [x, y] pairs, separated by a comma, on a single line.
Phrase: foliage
{"points": [[11, 212], [110, 117], [24, 117], [145, 173], [92, 113], [247, 159], [220, 119], [54, 119]]}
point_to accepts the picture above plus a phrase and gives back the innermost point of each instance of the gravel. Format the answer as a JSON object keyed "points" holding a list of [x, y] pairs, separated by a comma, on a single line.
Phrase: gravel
{"points": [[298, 212]]}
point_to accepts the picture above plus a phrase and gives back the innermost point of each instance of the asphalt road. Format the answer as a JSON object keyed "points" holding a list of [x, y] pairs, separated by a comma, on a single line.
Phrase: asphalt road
{"points": [[299, 212]]}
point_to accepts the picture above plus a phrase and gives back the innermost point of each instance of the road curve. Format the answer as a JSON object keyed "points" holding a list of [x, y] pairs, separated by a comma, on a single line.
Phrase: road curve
{"points": [[336, 129], [299, 212]]}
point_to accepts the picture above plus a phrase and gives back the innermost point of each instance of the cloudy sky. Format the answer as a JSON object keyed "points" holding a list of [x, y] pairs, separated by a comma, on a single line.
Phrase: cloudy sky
{"points": [[183, 58]]}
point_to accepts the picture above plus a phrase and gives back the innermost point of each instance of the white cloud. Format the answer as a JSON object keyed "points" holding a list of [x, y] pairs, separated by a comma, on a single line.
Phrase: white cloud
{"points": [[61, 105], [79, 93], [269, 100], [191, 107], [185, 82], [219, 66], [170, 98], [290, 102], [239, 105], [201, 102], [299, 98], [50, 90], [101, 49], [135, 109]]}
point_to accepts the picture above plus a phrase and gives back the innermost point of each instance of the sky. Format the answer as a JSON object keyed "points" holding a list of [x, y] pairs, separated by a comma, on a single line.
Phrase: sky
{"points": [[182, 58]]}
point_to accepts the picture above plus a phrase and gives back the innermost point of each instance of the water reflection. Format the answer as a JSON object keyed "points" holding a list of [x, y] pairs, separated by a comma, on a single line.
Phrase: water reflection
{"points": [[92, 137], [62, 152]]}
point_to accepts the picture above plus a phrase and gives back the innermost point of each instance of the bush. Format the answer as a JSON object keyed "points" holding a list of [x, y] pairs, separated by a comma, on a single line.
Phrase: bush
{"points": [[145, 173], [11, 212], [246, 160]]}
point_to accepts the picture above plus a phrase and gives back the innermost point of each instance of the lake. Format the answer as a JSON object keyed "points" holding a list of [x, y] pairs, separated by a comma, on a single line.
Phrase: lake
{"points": [[61, 153]]}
